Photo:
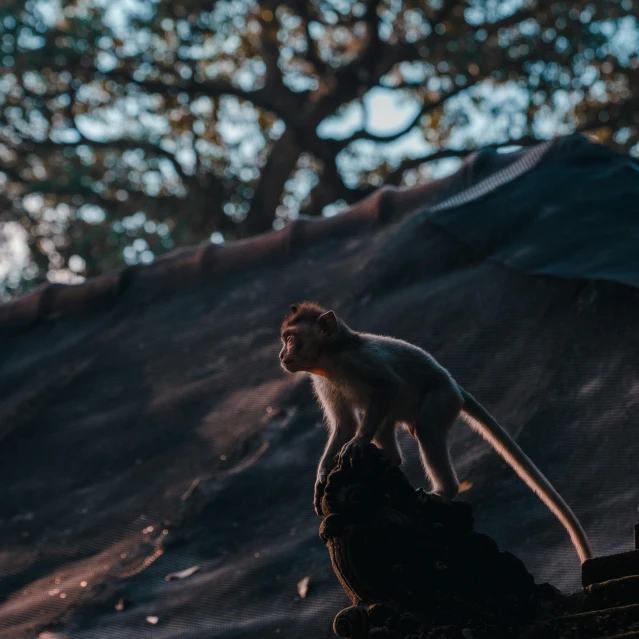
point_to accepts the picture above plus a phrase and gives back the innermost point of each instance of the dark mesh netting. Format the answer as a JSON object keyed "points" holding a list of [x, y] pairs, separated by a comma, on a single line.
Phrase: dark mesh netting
{"points": [[147, 428]]}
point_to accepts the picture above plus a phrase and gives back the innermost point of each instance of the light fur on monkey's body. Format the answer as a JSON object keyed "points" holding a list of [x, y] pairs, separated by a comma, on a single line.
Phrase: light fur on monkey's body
{"points": [[388, 382]]}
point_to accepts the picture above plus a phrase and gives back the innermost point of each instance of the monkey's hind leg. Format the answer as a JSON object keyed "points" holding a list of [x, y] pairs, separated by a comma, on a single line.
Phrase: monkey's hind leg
{"points": [[437, 414], [386, 439]]}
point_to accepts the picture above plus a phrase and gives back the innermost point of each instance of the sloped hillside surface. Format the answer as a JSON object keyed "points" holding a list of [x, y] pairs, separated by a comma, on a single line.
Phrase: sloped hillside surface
{"points": [[151, 429]]}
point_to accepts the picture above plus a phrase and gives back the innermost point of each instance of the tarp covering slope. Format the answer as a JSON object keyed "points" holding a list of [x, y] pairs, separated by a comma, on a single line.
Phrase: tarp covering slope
{"points": [[147, 428]]}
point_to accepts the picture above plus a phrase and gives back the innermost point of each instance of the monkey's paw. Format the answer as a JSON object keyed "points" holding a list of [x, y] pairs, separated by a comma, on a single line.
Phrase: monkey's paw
{"points": [[423, 496], [320, 486], [354, 449]]}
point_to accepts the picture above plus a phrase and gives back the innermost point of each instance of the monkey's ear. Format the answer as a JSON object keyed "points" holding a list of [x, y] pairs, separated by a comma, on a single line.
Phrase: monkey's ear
{"points": [[328, 323], [293, 308]]}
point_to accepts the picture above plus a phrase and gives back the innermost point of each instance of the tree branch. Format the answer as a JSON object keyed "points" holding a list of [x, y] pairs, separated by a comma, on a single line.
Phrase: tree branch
{"points": [[371, 18], [301, 9], [395, 176], [442, 14], [268, 192], [360, 70], [274, 97], [120, 144], [516, 18], [12, 174], [284, 104], [329, 189], [363, 134], [528, 140]]}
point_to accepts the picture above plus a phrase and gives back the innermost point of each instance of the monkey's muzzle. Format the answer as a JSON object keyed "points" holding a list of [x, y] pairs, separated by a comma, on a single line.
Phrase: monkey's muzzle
{"points": [[290, 366]]}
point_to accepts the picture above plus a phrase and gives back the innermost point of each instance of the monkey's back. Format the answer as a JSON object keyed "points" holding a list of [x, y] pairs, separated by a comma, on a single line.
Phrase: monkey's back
{"points": [[396, 369], [407, 360]]}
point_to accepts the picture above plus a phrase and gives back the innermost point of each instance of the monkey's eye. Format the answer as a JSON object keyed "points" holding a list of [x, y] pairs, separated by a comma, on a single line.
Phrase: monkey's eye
{"points": [[289, 339]]}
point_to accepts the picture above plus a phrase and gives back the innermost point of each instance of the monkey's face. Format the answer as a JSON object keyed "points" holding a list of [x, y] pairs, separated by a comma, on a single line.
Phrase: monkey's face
{"points": [[301, 346]]}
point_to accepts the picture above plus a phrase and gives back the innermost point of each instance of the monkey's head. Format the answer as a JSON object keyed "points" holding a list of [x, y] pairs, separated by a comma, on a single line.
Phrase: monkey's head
{"points": [[308, 332]]}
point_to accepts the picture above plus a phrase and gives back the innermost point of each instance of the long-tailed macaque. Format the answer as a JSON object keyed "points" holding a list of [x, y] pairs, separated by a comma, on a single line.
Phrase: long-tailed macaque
{"points": [[388, 382]]}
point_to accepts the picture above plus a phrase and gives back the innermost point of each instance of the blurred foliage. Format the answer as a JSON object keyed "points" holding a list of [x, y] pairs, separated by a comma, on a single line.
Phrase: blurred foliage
{"points": [[129, 127]]}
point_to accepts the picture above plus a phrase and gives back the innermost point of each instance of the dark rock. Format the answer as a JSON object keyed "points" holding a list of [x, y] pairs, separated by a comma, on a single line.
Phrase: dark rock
{"points": [[415, 568], [400, 551]]}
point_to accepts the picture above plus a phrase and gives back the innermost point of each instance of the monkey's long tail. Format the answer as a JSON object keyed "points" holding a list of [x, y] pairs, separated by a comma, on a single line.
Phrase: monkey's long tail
{"points": [[482, 422]]}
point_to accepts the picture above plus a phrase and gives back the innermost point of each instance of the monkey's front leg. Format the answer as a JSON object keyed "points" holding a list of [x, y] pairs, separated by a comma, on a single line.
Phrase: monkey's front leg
{"points": [[341, 430], [374, 417]]}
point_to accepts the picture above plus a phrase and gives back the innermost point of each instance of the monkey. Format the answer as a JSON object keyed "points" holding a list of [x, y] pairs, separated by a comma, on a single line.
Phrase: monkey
{"points": [[368, 384]]}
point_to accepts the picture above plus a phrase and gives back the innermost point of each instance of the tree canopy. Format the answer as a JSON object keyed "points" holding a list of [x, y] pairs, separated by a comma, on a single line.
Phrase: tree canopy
{"points": [[131, 127]]}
